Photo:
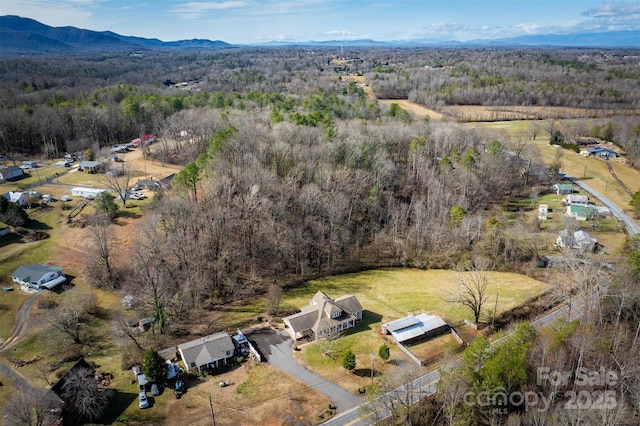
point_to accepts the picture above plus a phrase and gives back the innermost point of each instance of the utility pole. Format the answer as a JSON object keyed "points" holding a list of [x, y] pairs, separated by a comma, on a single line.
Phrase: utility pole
{"points": [[213, 419], [373, 364], [495, 308]]}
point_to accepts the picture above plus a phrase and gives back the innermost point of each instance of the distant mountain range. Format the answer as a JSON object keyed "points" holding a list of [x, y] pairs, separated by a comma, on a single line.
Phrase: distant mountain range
{"points": [[24, 36]]}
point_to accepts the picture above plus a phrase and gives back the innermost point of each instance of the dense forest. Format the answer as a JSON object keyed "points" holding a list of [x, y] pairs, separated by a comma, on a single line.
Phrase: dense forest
{"points": [[56, 104]]}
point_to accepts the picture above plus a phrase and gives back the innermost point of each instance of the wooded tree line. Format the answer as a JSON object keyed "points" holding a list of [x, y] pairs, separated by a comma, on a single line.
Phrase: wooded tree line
{"points": [[279, 203], [61, 104]]}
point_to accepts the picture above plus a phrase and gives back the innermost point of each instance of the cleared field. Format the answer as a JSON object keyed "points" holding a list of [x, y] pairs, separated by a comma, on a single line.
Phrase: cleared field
{"points": [[594, 172], [415, 109], [389, 294], [469, 113]]}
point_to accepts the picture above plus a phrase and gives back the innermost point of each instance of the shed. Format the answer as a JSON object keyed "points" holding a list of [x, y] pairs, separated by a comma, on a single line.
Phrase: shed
{"points": [[414, 327], [543, 211], [29, 164]]}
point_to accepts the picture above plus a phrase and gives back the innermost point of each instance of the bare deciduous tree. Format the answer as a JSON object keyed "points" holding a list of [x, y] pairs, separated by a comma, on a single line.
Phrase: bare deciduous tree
{"points": [[118, 180], [274, 298], [29, 408], [472, 281], [83, 398]]}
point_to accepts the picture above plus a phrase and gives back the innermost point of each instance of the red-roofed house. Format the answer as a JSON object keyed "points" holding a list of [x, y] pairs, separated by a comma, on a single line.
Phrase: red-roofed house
{"points": [[146, 140]]}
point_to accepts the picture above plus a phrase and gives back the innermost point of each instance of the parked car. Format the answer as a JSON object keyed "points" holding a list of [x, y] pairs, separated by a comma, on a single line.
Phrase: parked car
{"points": [[143, 402], [137, 196], [179, 389], [155, 390], [136, 188]]}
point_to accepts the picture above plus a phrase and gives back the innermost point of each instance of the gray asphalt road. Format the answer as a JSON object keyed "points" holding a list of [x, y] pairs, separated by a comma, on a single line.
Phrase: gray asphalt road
{"points": [[632, 227], [277, 347], [370, 413]]}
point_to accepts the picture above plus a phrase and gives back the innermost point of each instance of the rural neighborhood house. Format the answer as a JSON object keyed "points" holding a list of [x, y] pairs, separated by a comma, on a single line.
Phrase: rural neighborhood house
{"points": [[324, 317], [211, 351], [11, 172], [38, 276]]}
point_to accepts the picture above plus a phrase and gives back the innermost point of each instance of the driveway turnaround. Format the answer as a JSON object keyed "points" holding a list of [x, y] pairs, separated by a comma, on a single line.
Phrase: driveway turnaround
{"points": [[277, 348]]}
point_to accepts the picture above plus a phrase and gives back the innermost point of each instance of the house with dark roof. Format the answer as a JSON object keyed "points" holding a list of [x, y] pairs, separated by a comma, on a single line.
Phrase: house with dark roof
{"points": [[38, 276], [90, 166], [11, 172], [324, 317], [211, 351]]}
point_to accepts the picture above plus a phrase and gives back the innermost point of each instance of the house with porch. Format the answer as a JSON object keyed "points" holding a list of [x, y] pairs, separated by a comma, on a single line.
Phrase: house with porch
{"points": [[324, 317], [38, 276], [212, 351]]}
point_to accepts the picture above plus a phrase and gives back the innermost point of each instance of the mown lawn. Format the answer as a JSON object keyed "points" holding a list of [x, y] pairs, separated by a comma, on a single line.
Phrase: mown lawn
{"points": [[389, 294]]}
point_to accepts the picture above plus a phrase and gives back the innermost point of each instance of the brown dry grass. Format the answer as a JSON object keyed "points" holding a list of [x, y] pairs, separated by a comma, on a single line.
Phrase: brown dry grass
{"points": [[469, 113], [256, 394], [415, 109]]}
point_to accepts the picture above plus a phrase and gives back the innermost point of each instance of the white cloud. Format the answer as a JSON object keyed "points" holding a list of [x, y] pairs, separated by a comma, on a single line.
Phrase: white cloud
{"points": [[615, 9], [76, 13]]}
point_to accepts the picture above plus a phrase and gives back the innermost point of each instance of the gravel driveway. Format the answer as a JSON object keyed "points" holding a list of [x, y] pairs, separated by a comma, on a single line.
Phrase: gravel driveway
{"points": [[277, 348]]}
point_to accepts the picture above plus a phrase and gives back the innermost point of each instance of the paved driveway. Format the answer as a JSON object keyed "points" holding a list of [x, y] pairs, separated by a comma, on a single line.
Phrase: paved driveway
{"points": [[277, 348]]}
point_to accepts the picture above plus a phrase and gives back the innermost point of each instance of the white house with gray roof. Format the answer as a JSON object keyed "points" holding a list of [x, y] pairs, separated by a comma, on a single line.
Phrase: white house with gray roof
{"points": [[39, 276], [210, 351], [324, 317]]}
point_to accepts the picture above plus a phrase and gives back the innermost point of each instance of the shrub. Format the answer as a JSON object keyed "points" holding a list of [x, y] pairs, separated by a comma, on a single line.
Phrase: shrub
{"points": [[47, 304]]}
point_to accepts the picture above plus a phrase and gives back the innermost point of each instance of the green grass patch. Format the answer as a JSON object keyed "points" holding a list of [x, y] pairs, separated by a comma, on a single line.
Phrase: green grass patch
{"points": [[391, 293], [259, 376]]}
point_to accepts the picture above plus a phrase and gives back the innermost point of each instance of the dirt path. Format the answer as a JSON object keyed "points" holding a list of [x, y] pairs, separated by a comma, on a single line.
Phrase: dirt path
{"points": [[19, 330]]}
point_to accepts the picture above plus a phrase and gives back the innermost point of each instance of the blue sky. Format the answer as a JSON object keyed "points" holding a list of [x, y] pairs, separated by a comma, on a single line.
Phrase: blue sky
{"points": [[257, 21]]}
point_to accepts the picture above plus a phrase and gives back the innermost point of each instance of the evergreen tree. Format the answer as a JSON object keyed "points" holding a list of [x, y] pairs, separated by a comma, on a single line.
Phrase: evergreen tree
{"points": [[155, 366], [349, 361], [384, 353]]}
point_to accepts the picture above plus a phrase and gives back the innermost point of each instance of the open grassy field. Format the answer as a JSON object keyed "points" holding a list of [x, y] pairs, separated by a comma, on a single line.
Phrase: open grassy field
{"points": [[389, 294], [469, 113]]}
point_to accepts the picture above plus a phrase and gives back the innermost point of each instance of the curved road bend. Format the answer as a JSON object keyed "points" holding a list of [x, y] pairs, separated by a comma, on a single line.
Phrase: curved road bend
{"points": [[19, 330], [370, 413], [631, 225], [277, 347]]}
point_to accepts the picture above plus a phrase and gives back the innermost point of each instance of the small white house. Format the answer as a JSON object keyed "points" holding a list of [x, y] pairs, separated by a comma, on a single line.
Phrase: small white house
{"points": [[17, 197], [85, 192], [543, 211], [38, 276], [29, 164]]}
